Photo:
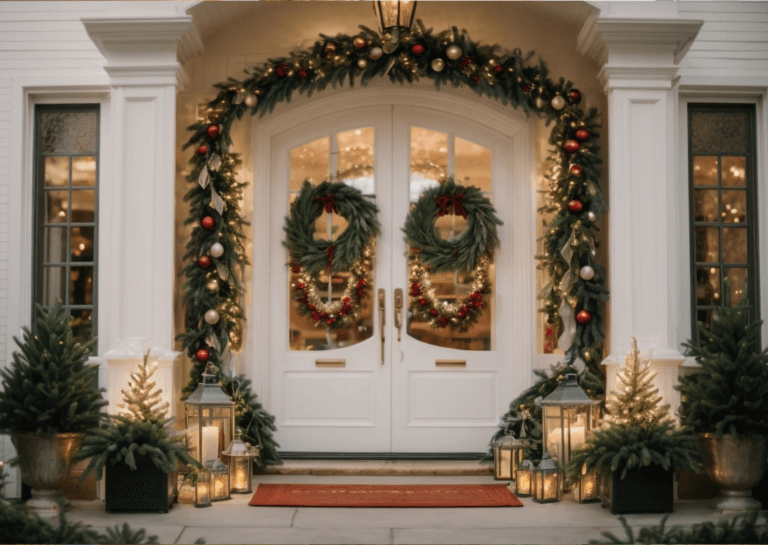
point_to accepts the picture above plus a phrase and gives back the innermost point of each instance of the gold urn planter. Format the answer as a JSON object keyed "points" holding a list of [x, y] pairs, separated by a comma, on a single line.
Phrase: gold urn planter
{"points": [[735, 467], [44, 462]]}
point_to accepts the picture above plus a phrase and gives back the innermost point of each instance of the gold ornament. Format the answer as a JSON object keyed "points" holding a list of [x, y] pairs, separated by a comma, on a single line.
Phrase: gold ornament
{"points": [[329, 48]]}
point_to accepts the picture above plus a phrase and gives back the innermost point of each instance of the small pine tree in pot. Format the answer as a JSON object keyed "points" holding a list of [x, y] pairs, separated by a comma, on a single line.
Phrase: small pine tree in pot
{"points": [[48, 405], [638, 447], [725, 401]]}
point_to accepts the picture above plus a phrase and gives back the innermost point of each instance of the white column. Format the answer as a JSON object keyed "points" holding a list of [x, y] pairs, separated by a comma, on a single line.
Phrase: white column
{"points": [[136, 202], [639, 59]]}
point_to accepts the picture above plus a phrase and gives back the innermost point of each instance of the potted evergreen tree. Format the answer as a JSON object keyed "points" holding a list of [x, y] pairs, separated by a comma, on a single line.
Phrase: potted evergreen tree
{"points": [[638, 447], [725, 401], [137, 450], [47, 405]]}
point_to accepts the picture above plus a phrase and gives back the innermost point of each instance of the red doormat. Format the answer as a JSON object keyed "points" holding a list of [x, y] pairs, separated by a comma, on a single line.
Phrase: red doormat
{"points": [[384, 495]]}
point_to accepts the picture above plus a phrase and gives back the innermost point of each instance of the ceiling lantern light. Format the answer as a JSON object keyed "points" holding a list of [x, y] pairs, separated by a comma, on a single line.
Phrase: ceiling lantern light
{"points": [[394, 19]]}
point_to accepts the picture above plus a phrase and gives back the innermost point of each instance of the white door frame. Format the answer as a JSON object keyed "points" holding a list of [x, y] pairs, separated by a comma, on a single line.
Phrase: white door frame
{"points": [[506, 120]]}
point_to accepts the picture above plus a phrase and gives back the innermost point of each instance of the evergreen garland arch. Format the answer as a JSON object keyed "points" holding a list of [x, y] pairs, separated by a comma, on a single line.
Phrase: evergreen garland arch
{"points": [[449, 57]]}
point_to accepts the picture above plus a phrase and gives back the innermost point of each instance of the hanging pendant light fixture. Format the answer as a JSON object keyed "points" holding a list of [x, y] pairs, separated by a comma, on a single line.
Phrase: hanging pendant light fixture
{"points": [[395, 18]]}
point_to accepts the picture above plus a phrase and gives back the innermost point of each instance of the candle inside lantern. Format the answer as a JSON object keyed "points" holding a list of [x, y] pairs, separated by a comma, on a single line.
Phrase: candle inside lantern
{"points": [[524, 485], [578, 436], [240, 479], [210, 448], [219, 491], [505, 465]]}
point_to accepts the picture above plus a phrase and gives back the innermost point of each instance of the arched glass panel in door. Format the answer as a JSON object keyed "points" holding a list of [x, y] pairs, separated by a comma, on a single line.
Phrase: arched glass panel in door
{"points": [[349, 155], [434, 155]]}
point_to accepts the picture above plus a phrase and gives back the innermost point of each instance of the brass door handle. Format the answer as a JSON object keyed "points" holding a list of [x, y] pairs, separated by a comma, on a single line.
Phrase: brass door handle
{"points": [[382, 321], [398, 311]]}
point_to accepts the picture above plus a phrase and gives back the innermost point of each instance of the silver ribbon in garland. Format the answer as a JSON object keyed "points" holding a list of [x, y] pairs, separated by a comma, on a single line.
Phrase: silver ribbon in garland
{"points": [[566, 313]]}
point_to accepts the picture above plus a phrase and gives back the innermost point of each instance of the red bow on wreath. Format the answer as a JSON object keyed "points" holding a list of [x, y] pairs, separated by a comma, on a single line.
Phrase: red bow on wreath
{"points": [[455, 200], [329, 203]]}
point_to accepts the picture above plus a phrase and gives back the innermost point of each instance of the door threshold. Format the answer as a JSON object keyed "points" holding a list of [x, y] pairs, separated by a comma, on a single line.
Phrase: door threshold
{"points": [[380, 467]]}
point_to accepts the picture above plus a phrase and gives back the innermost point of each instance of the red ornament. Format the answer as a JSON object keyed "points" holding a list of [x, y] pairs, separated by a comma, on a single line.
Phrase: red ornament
{"points": [[329, 321], [417, 49], [296, 268], [323, 315], [346, 301], [423, 302], [498, 69], [462, 314], [316, 316], [360, 293], [433, 312], [571, 145], [476, 296], [475, 78], [583, 317], [575, 170], [204, 262], [582, 134], [527, 88], [575, 206], [302, 73], [207, 223], [202, 355], [213, 131], [311, 307], [464, 310], [202, 150], [280, 69], [301, 285], [573, 96], [443, 321], [466, 62]]}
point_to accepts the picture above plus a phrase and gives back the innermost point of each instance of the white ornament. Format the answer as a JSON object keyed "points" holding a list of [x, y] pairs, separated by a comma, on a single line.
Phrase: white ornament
{"points": [[540, 103], [453, 52], [212, 317], [587, 272], [376, 53], [250, 100], [217, 250], [591, 216], [212, 285], [438, 65], [362, 63], [558, 102]]}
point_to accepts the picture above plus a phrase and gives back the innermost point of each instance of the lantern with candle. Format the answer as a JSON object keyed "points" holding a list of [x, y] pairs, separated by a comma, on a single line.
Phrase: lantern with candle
{"points": [[219, 488], [586, 490], [568, 415], [203, 488], [210, 418], [524, 478], [508, 452], [241, 457], [547, 487]]}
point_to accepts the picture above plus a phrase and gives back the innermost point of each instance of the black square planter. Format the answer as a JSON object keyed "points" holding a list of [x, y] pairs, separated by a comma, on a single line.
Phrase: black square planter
{"points": [[647, 489], [147, 488]]}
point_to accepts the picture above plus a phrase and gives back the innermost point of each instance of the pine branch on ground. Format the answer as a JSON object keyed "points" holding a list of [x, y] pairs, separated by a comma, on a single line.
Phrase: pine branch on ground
{"points": [[142, 401]]}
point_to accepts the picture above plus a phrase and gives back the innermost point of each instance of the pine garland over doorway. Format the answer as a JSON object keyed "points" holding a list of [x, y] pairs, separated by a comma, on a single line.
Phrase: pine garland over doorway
{"points": [[216, 256]]}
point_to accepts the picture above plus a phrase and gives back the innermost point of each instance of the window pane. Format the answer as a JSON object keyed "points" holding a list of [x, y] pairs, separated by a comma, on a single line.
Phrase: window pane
{"points": [[429, 160], [734, 206], [720, 132], [737, 281], [734, 245], [310, 161], [472, 164], [707, 244], [84, 171], [355, 159], [54, 282], [68, 132], [56, 204], [54, 245], [83, 206], [82, 324], [704, 170], [82, 243], [704, 316], [705, 205], [734, 171], [81, 286], [56, 171], [707, 286]]}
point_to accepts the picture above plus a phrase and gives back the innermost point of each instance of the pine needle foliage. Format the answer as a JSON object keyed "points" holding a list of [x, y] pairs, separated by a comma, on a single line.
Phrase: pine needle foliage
{"points": [[728, 394], [749, 528], [142, 401], [639, 432], [47, 388]]}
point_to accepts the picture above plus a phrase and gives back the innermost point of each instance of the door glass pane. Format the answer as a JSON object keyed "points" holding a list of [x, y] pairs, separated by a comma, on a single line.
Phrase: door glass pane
{"points": [[705, 170], [56, 204], [472, 164], [429, 160], [54, 245], [68, 132], [707, 244], [81, 286], [734, 171], [82, 243], [737, 278], [83, 206], [707, 286], [56, 171], [82, 324], [354, 162], [734, 245], [54, 280], [734, 206], [705, 205], [84, 171]]}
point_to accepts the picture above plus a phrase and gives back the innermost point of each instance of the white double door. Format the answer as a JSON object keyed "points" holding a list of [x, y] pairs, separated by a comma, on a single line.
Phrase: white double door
{"points": [[398, 390]]}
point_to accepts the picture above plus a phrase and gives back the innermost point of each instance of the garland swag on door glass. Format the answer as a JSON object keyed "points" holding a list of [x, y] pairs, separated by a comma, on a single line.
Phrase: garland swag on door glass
{"points": [[447, 57]]}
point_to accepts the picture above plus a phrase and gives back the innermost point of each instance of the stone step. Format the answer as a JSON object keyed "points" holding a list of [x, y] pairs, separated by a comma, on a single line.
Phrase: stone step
{"points": [[380, 467]]}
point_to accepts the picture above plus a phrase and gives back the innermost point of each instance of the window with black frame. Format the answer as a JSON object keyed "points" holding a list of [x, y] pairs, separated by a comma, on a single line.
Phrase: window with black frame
{"points": [[66, 212], [723, 209]]}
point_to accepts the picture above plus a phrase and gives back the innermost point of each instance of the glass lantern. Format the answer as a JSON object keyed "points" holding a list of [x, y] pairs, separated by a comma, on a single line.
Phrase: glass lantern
{"points": [[507, 454], [219, 480], [524, 479], [203, 488], [395, 16], [587, 489], [568, 415], [241, 457], [209, 418], [547, 487]]}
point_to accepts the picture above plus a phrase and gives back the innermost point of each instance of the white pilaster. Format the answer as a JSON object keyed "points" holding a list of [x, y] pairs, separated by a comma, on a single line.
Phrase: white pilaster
{"points": [[639, 59]]}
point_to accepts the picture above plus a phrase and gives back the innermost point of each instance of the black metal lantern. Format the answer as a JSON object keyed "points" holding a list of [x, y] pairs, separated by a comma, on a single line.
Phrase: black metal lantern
{"points": [[210, 419], [524, 479], [395, 18], [547, 487]]}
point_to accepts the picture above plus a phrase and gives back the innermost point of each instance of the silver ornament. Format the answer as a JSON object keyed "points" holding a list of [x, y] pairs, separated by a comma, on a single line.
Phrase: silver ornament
{"points": [[212, 285], [558, 102], [540, 103], [362, 63], [453, 52], [591, 216], [212, 317], [587, 272], [438, 65], [376, 53], [250, 100], [217, 250]]}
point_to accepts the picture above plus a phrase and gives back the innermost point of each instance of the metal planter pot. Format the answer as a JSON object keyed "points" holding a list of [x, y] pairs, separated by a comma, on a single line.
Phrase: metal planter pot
{"points": [[735, 468], [44, 462]]}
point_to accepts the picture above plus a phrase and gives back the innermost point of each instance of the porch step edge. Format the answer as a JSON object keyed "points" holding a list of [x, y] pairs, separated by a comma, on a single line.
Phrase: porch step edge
{"points": [[380, 467]]}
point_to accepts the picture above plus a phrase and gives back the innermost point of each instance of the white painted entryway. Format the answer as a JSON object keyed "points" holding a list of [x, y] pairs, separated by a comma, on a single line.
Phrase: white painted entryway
{"points": [[403, 401]]}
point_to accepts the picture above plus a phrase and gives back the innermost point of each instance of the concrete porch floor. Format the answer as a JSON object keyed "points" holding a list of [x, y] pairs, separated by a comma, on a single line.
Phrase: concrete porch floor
{"points": [[233, 521]]}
